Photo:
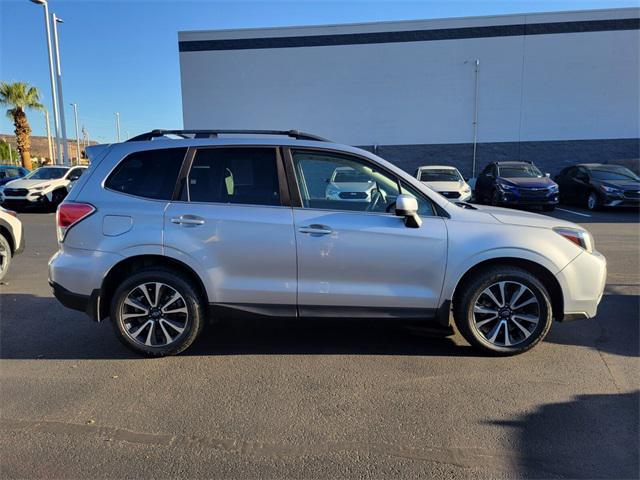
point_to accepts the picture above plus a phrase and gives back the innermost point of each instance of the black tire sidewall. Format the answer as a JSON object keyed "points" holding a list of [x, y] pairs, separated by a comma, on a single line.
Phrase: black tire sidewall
{"points": [[179, 283], [464, 314]]}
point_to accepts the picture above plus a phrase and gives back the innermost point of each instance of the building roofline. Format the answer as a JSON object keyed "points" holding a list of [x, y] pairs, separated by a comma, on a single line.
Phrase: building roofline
{"points": [[635, 10]]}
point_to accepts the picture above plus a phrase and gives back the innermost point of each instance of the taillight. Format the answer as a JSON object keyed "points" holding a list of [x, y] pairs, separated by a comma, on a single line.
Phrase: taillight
{"points": [[68, 214]]}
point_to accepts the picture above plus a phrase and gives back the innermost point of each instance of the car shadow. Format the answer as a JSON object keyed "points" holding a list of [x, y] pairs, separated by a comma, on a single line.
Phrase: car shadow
{"points": [[615, 329], [55, 332], [590, 436]]}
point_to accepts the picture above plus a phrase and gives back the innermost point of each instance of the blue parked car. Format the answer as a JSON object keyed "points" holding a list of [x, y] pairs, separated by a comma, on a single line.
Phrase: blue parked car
{"points": [[10, 172], [516, 184]]}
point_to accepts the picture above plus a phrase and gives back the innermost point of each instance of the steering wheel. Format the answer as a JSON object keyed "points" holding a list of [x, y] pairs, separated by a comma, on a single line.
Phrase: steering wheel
{"points": [[377, 196]]}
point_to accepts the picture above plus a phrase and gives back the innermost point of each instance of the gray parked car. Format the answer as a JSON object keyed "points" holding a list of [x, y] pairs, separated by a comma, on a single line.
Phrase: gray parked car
{"points": [[162, 232]]}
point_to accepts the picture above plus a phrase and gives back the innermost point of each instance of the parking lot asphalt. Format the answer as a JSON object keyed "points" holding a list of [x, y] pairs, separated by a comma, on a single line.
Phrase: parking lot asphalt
{"points": [[294, 399]]}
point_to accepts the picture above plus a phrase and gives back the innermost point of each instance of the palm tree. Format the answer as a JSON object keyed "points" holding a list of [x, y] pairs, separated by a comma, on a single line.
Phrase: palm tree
{"points": [[20, 96]]}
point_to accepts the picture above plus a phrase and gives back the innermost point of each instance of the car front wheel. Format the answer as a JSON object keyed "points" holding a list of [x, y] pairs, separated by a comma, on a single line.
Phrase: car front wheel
{"points": [[5, 256], [593, 202], [503, 310], [157, 313]]}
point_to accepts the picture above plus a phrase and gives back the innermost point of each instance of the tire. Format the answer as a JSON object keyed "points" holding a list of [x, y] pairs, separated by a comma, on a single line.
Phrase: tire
{"points": [[5, 256], [495, 198], [548, 208], [489, 335], [56, 198], [592, 201], [149, 333]]}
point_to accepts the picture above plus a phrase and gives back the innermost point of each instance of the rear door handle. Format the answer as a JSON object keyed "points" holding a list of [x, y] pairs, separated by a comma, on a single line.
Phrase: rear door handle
{"points": [[316, 229], [188, 220]]}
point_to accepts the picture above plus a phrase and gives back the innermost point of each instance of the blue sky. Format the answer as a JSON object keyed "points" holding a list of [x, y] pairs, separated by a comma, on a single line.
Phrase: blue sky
{"points": [[123, 55]]}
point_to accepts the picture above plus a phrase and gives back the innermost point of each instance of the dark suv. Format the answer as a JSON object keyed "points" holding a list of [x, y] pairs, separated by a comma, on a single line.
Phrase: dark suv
{"points": [[516, 183]]}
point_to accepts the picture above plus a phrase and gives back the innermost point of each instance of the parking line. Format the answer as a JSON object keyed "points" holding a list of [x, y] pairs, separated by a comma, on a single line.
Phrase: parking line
{"points": [[575, 213]]}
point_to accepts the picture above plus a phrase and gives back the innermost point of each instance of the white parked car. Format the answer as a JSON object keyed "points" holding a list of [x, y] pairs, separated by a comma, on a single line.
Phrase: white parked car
{"points": [[445, 180], [349, 184], [11, 239], [46, 186]]}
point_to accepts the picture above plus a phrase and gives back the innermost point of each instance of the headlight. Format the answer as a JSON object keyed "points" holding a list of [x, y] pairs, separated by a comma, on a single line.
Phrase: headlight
{"points": [[582, 238], [466, 189], [553, 188], [506, 186], [607, 189]]}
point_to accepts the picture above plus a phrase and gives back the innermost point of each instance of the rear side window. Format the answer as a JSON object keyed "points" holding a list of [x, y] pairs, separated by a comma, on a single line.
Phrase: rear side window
{"points": [[149, 174], [246, 176]]}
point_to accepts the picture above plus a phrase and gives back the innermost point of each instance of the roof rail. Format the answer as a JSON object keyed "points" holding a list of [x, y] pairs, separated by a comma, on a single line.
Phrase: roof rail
{"points": [[214, 134]]}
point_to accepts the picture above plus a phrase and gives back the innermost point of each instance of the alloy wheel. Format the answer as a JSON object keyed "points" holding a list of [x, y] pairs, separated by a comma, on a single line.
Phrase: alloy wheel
{"points": [[506, 313], [154, 314], [4, 259], [592, 201]]}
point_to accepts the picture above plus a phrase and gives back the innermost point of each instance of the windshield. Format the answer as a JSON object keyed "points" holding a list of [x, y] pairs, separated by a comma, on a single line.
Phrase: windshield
{"points": [[613, 173], [49, 173], [440, 175], [350, 176], [519, 171]]}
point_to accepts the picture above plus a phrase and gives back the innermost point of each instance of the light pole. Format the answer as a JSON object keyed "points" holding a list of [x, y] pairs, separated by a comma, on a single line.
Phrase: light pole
{"points": [[117, 114], [54, 96], [75, 115], [65, 146], [46, 121]]}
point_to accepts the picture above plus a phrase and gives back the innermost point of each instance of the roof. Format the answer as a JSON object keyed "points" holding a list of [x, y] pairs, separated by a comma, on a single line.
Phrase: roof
{"points": [[512, 162], [433, 167]]}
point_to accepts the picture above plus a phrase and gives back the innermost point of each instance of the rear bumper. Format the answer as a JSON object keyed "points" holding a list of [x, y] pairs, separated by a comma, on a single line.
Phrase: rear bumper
{"points": [[83, 303]]}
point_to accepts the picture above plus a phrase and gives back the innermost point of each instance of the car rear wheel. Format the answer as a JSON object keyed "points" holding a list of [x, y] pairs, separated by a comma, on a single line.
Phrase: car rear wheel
{"points": [[503, 311], [5, 256], [157, 313]]}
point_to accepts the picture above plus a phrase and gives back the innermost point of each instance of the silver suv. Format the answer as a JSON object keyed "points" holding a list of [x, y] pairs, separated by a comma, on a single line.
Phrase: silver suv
{"points": [[163, 232]]}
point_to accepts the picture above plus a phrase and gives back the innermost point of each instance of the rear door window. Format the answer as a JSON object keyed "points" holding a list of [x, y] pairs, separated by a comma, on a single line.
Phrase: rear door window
{"points": [[237, 175], [149, 174]]}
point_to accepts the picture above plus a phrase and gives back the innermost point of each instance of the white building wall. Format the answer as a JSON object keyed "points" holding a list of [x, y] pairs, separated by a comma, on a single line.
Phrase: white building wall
{"points": [[537, 87]]}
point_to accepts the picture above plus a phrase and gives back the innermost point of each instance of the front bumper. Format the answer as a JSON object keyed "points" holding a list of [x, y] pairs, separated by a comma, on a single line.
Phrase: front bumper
{"points": [[35, 198], [619, 200], [519, 197], [583, 282]]}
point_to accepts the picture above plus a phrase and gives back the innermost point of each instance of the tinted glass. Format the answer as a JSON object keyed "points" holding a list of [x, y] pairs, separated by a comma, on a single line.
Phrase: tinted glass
{"points": [[47, 173], [520, 171], [613, 173], [9, 172], [149, 174], [75, 173], [440, 175], [234, 175], [375, 191]]}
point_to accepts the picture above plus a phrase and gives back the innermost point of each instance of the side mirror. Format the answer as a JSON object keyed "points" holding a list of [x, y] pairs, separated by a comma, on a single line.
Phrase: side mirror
{"points": [[547, 175], [407, 207]]}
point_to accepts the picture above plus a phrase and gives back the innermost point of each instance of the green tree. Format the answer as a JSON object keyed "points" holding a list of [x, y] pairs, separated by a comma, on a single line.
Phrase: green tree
{"points": [[4, 151], [20, 96]]}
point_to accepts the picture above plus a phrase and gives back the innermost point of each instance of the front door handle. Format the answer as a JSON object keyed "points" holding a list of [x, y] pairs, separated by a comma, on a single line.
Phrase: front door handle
{"points": [[316, 229], [188, 220]]}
